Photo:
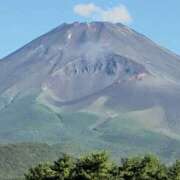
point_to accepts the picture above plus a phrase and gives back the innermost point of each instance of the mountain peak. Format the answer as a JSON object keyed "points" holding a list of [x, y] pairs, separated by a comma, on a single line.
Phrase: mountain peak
{"points": [[94, 39], [95, 24], [76, 34]]}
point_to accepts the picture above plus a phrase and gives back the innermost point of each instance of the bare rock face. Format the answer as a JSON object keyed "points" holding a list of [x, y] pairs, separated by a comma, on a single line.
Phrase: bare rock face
{"points": [[97, 68], [85, 76]]}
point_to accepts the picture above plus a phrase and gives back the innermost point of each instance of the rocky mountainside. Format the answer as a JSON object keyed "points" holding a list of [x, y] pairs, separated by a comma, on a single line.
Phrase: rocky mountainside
{"points": [[92, 86]]}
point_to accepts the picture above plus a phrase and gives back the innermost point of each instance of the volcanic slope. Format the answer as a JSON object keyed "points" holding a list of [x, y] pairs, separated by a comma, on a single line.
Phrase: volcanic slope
{"points": [[92, 86]]}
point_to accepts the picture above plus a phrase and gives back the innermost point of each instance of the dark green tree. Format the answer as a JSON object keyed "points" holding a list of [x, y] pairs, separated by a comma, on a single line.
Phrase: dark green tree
{"points": [[95, 166], [41, 172], [63, 167], [174, 171], [142, 168]]}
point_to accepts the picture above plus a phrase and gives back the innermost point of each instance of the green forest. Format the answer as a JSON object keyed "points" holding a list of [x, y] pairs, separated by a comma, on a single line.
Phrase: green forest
{"points": [[98, 166]]}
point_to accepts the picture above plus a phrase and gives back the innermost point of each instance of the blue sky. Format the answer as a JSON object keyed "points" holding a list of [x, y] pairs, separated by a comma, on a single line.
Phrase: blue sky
{"points": [[21, 21]]}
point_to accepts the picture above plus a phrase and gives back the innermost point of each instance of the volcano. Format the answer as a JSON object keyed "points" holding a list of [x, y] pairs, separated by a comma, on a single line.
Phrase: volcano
{"points": [[92, 86]]}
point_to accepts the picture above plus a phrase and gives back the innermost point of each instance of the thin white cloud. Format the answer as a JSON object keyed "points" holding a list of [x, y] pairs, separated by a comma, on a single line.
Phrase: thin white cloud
{"points": [[116, 14], [85, 9]]}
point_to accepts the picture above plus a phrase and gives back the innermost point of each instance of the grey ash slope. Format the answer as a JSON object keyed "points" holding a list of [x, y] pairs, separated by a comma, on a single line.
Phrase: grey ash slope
{"points": [[95, 84]]}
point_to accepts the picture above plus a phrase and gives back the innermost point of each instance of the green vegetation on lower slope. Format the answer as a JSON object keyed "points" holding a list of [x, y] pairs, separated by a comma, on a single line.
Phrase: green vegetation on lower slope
{"points": [[76, 133], [125, 134], [16, 159], [25, 120]]}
